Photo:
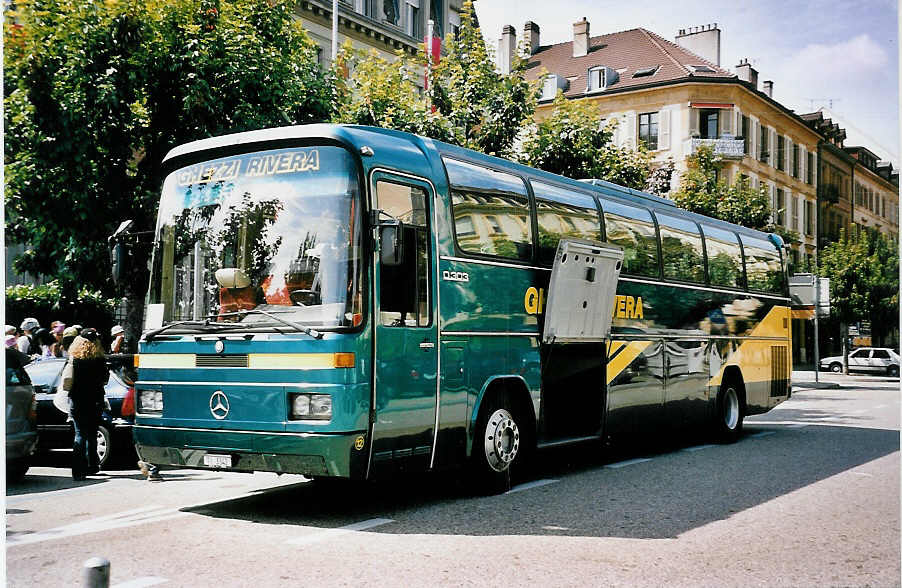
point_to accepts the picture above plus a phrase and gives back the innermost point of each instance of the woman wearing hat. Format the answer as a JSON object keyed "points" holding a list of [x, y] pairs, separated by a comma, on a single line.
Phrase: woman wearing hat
{"points": [[89, 376], [118, 334]]}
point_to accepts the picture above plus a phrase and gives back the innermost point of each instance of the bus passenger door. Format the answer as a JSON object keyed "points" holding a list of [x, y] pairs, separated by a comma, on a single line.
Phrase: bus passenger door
{"points": [[406, 342]]}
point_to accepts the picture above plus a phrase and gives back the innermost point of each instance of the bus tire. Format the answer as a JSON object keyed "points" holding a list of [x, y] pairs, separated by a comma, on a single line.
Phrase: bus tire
{"points": [[728, 412], [497, 444]]}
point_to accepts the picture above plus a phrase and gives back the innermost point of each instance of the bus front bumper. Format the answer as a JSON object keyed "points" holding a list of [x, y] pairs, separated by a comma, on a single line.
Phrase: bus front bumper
{"points": [[310, 454]]}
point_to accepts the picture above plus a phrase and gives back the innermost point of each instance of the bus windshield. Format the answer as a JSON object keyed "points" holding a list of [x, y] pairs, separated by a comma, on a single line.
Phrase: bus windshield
{"points": [[249, 238]]}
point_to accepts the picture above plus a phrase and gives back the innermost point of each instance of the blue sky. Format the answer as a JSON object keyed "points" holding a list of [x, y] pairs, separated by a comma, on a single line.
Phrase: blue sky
{"points": [[814, 52]]}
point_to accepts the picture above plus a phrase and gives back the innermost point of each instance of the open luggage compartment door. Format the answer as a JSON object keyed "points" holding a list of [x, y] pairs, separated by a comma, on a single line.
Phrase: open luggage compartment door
{"points": [[581, 291]]}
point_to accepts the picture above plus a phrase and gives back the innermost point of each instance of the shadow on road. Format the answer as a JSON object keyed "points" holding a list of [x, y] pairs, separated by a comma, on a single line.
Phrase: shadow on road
{"points": [[677, 490]]}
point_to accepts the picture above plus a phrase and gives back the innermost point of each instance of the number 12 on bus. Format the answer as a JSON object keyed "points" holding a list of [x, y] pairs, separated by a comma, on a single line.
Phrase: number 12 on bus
{"points": [[339, 301]]}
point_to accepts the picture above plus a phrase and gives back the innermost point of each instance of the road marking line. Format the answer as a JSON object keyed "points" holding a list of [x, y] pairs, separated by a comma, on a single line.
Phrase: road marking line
{"points": [[798, 426], [866, 475], [530, 485], [94, 526], [142, 582], [859, 411], [629, 462], [762, 434], [325, 534], [879, 406], [699, 447]]}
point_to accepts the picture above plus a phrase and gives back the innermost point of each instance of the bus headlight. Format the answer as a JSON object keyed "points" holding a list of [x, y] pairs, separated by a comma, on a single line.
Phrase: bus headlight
{"points": [[150, 401], [311, 406]]}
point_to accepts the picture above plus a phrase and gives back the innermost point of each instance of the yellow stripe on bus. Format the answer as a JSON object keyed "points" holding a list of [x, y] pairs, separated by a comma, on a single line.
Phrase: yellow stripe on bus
{"points": [[299, 361], [628, 352]]}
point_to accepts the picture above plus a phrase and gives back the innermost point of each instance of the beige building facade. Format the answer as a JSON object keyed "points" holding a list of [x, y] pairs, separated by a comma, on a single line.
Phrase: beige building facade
{"points": [[673, 101], [388, 26]]}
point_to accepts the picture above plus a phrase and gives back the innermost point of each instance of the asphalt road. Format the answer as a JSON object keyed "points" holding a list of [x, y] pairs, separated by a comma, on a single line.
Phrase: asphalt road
{"points": [[809, 496]]}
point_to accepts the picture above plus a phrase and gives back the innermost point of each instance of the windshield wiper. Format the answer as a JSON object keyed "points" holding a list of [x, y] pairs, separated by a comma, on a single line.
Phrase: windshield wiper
{"points": [[149, 335], [306, 330]]}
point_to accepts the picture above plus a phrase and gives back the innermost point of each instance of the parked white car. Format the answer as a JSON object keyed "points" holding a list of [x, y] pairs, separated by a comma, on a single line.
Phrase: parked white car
{"points": [[878, 360]]}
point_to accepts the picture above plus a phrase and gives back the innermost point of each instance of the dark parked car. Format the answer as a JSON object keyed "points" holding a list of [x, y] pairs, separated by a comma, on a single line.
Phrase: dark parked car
{"points": [[114, 436], [21, 417]]}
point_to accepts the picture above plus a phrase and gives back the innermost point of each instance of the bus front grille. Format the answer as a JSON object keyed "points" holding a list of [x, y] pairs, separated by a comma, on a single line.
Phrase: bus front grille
{"points": [[219, 361]]}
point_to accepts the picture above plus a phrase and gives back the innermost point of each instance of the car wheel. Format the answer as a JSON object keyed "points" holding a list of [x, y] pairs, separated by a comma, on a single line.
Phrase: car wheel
{"points": [[104, 446], [728, 414], [496, 446], [16, 470], [836, 367], [892, 371]]}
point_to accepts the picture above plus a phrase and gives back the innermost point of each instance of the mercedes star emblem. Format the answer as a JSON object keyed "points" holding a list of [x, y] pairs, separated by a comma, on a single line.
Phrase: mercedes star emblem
{"points": [[220, 346], [219, 405]]}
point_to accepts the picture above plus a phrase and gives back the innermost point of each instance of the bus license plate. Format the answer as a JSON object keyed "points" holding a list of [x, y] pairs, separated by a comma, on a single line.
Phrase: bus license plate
{"points": [[218, 461]]}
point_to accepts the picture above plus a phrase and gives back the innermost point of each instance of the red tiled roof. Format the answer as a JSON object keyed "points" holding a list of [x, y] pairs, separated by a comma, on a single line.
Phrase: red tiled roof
{"points": [[626, 52]]}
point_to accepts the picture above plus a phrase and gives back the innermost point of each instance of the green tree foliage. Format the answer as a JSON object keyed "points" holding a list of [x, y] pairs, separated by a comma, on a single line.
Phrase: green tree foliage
{"points": [[97, 92], [486, 109], [87, 307], [863, 268], [700, 191], [468, 103], [572, 142], [384, 93]]}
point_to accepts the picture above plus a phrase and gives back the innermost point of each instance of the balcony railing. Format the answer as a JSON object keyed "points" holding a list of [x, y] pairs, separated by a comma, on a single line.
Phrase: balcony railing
{"points": [[726, 146]]}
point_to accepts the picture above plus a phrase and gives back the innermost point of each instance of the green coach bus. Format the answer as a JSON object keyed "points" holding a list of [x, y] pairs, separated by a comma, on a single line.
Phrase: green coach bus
{"points": [[345, 301]]}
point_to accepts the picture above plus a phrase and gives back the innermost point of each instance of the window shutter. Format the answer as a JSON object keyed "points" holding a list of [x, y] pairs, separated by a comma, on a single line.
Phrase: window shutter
{"points": [[693, 122], [803, 161], [664, 129], [726, 124], [630, 136], [772, 148], [753, 138], [788, 156]]}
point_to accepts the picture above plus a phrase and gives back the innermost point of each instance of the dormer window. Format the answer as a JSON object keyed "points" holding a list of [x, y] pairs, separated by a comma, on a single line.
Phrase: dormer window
{"points": [[700, 68], [596, 79], [552, 84], [646, 72]]}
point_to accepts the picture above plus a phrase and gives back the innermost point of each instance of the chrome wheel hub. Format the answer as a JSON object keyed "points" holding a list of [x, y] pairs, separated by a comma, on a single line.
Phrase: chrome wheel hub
{"points": [[730, 409], [502, 440]]}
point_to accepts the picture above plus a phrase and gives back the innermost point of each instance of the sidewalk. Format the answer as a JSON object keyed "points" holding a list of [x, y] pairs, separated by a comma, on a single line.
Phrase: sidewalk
{"points": [[829, 381]]}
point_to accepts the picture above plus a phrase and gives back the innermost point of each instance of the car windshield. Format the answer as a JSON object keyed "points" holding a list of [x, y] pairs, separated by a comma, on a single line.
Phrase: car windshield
{"points": [[44, 373], [260, 236]]}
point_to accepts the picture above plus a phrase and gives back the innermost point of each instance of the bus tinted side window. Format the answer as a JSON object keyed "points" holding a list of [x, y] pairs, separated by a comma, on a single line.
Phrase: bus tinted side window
{"points": [[681, 249], [562, 213], [491, 211], [724, 257], [633, 229], [763, 267]]}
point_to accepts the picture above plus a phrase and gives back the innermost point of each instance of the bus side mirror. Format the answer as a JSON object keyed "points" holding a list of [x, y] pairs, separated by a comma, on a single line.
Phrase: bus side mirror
{"points": [[118, 252], [117, 258], [391, 239]]}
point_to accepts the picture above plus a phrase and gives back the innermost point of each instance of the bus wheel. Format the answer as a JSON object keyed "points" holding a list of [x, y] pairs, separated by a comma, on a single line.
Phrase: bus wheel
{"points": [[728, 413], [495, 447]]}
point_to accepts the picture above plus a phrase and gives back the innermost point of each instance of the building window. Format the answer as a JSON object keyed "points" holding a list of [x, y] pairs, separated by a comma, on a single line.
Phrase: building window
{"points": [[648, 130], [596, 79], [795, 213], [549, 88], [809, 217], [437, 14], [780, 207], [392, 11], [413, 19], [454, 23], [810, 168], [795, 161], [781, 152], [708, 123], [762, 134]]}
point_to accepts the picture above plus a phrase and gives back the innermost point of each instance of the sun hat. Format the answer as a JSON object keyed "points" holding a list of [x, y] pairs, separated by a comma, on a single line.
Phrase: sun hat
{"points": [[29, 324], [59, 328], [70, 332], [10, 330], [116, 330]]}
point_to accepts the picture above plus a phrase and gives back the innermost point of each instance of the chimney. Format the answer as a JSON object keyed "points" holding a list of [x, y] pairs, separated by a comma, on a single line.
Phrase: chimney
{"points": [[747, 73], [581, 38], [769, 88], [507, 46], [531, 35], [703, 40]]}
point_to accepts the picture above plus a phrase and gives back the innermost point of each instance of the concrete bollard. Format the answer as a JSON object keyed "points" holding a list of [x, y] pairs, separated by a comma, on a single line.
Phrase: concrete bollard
{"points": [[96, 573]]}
